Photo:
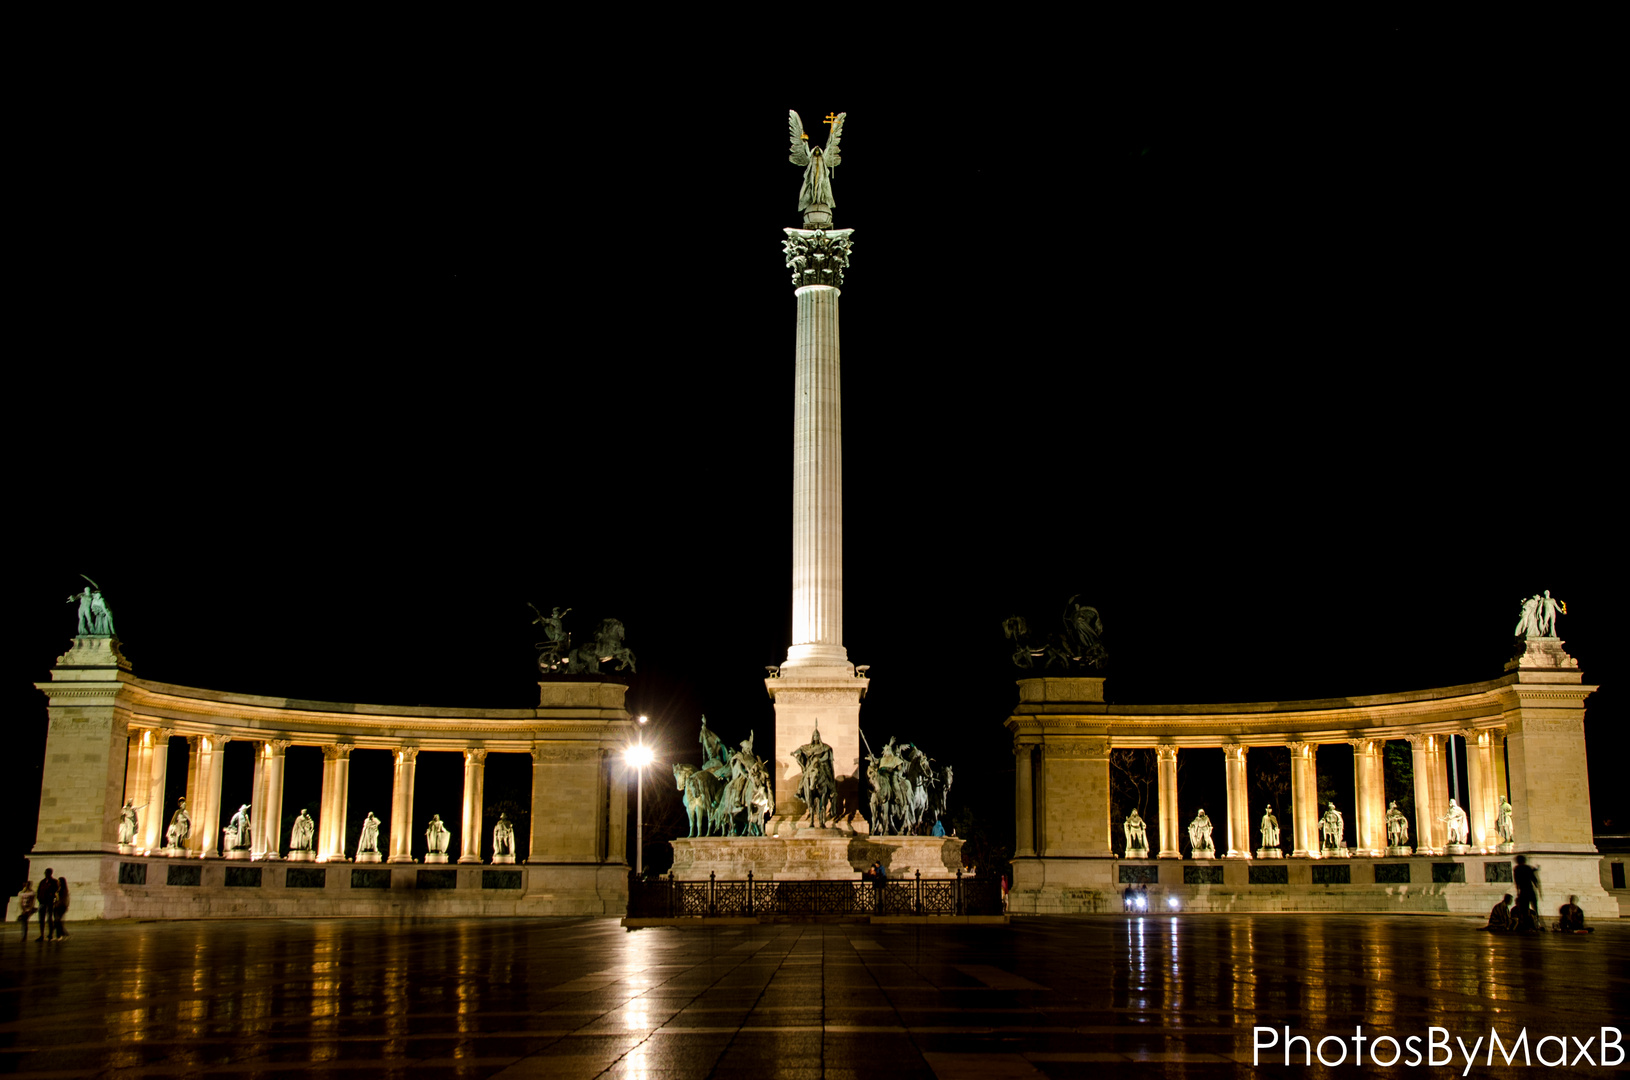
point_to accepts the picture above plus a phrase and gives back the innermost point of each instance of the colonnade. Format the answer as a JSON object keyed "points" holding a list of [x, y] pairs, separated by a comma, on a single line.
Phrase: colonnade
{"points": [[146, 779], [1238, 835]]}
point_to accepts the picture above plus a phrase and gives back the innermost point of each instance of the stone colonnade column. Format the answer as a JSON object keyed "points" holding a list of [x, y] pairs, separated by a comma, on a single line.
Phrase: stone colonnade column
{"points": [[195, 801], [1303, 789], [475, 794], [270, 811], [136, 745], [1166, 803], [336, 801], [1239, 822], [1485, 808], [211, 761], [402, 805], [1369, 795], [1477, 820], [158, 766], [257, 804], [1427, 758], [1024, 804]]}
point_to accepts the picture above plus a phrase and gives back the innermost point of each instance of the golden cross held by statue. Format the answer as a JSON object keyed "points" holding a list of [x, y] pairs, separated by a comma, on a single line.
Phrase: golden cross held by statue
{"points": [[831, 118]]}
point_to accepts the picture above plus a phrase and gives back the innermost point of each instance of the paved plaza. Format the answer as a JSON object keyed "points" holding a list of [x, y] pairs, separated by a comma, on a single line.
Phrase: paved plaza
{"points": [[568, 998]]}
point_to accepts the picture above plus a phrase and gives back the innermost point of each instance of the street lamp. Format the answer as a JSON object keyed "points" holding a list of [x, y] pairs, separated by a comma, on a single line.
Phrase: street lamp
{"points": [[639, 756]]}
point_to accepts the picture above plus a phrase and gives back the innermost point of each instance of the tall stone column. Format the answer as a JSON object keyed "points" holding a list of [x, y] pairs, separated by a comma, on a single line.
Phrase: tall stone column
{"points": [[195, 801], [257, 804], [475, 793], [1369, 795], [817, 686], [402, 805], [138, 783], [1239, 808], [134, 792], [336, 801], [1497, 754], [1304, 799], [211, 755], [269, 815], [158, 815], [1024, 799], [1170, 825], [1428, 765], [1484, 809]]}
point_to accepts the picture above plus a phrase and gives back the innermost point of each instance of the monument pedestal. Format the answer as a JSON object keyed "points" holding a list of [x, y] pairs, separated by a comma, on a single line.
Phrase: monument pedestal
{"points": [[498, 860], [1399, 851], [814, 855], [239, 853], [1455, 849], [126, 849], [302, 856], [1506, 848], [1269, 853], [436, 857], [368, 856]]}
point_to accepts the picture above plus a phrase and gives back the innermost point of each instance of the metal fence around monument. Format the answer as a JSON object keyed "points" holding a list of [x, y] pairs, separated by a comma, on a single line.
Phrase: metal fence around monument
{"points": [[670, 898]]}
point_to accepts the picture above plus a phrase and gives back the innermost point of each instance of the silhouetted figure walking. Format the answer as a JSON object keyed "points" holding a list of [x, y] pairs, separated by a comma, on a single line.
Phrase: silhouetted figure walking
{"points": [[1527, 881]]}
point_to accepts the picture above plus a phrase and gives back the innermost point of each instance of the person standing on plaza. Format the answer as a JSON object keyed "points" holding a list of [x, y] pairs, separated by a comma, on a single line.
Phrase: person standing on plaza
{"points": [[25, 906], [59, 907], [1527, 882], [46, 894]]}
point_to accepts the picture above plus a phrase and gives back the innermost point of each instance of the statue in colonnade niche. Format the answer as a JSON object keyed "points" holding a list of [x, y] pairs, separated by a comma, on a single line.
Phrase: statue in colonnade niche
{"points": [[128, 823], [369, 840], [1137, 833], [1332, 828], [237, 831], [1200, 836], [436, 836], [1270, 829], [503, 837], [303, 833], [1503, 824], [1397, 826], [180, 826], [1456, 820]]}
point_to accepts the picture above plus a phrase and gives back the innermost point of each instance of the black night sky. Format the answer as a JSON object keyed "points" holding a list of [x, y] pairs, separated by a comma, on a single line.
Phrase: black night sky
{"points": [[1293, 368]]}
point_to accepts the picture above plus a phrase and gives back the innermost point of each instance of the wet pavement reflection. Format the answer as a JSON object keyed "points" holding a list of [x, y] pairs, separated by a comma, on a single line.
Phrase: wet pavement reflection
{"points": [[563, 998]]}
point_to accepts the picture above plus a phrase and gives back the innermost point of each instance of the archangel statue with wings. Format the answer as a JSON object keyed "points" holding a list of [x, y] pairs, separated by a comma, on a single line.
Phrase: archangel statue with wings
{"points": [[815, 199]]}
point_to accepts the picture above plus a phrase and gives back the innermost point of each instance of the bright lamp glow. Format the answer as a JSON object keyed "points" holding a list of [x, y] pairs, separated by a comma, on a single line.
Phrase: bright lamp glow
{"points": [[638, 756]]}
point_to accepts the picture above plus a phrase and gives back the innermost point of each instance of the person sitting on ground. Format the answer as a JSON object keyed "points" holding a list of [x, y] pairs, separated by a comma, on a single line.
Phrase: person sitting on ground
{"points": [[1500, 917], [1571, 920]]}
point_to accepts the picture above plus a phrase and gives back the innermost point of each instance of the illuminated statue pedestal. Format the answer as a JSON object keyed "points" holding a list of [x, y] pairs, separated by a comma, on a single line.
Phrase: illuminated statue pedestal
{"points": [[127, 849], [814, 855], [1456, 849], [302, 856], [368, 856], [434, 857], [501, 860], [239, 853], [1399, 851], [1269, 853]]}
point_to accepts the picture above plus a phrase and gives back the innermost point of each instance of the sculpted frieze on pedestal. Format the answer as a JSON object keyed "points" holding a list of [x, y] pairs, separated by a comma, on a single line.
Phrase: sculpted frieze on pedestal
{"points": [[565, 755], [1086, 747]]}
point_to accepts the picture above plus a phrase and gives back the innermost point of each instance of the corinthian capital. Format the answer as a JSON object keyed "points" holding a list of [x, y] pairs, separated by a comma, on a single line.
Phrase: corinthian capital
{"points": [[475, 755], [817, 256]]}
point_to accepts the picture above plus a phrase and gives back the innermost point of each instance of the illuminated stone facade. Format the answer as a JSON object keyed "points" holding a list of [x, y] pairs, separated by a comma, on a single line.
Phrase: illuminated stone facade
{"points": [[1524, 737], [109, 741]]}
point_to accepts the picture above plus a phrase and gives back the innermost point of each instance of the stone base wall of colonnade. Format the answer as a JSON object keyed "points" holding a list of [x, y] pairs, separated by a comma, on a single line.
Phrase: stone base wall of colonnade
{"points": [[109, 745], [1525, 742], [1441, 885]]}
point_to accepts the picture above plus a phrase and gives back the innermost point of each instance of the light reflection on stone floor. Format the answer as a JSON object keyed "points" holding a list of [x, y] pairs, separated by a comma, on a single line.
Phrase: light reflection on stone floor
{"points": [[563, 999]]}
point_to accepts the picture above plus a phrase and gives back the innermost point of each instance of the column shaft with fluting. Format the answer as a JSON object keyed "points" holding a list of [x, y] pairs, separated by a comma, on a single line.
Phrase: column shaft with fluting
{"points": [[816, 685], [158, 815], [211, 764], [336, 802], [475, 793], [1303, 800], [1024, 800], [402, 805], [269, 814], [1170, 826], [1239, 827]]}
